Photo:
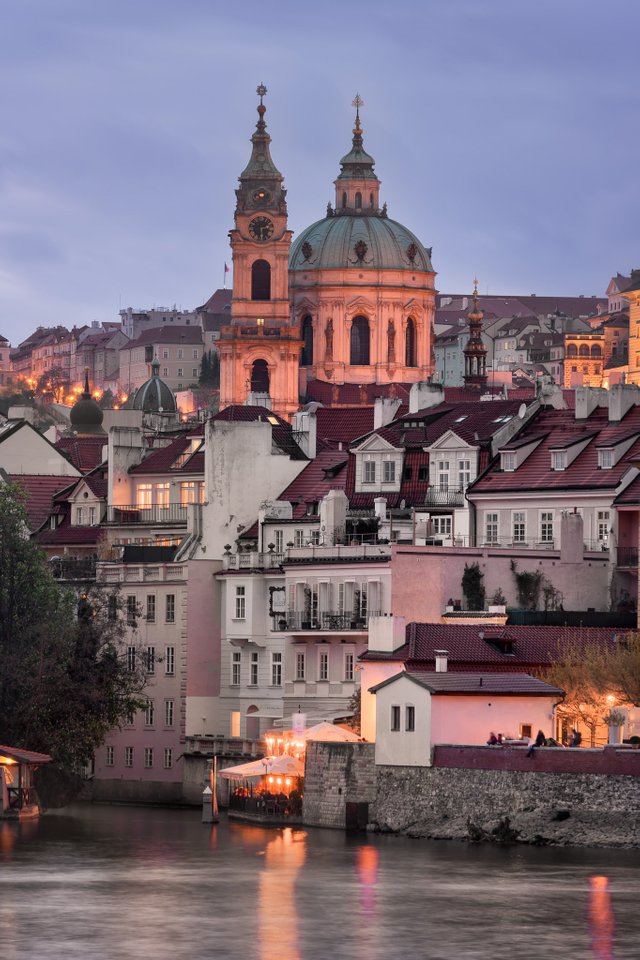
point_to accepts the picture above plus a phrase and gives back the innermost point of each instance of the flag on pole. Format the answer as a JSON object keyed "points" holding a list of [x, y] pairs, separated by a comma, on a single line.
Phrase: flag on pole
{"points": [[226, 268], [224, 276]]}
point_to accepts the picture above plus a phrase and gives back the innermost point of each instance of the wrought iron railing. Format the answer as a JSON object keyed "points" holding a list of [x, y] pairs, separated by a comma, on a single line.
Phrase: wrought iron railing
{"points": [[129, 514], [452, 497], [73, 568], [627, 556], [328, 621]]}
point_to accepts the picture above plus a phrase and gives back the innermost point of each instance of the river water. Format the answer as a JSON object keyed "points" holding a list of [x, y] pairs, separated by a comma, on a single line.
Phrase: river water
{"points": [[130, 883]]}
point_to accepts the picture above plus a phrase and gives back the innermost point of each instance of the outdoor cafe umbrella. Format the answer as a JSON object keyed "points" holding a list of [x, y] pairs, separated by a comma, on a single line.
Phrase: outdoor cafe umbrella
{"points": [[285, 766], [329, 731]]}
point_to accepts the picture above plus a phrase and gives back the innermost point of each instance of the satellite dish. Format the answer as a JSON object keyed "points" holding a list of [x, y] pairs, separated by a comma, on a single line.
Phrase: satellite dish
{"points": [[522, 410]]}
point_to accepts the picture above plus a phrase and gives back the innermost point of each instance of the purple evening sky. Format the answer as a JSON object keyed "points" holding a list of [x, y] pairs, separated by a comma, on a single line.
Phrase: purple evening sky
{"points": [[505, 133]]}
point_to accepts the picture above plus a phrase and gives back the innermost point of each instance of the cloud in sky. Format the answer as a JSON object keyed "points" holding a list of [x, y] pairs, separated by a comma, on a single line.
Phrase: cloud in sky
{"points": [[505, 135]]}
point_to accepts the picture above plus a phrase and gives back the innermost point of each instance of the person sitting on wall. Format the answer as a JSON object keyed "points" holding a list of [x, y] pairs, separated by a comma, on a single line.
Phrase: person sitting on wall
{"points": [[576, 738], [493, 740], [538, 742], [500, 740]]}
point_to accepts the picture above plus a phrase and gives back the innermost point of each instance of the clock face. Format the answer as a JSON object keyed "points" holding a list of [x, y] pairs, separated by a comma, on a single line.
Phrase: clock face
{"points": [[261, 228], [261, 195]]}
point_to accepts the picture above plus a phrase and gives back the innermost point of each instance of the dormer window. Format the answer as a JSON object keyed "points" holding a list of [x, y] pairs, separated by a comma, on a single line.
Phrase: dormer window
{"points": [[389, 471], [605, 459], [508, 462], [369, 471], [558, 459]]}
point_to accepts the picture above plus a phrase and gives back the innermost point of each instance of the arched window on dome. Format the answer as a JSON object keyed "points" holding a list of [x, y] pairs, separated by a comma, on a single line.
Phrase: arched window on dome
{"points": [[360, 342], [344, 200], [306, 357], [371, 200], [260, 377], [260, 280], [410, 344], [358, 201]]}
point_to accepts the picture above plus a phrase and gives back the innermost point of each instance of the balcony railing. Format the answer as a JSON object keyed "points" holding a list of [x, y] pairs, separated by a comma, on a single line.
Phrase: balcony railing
{"points": [[131, 514], [72, 568], [253, 561], [452, 497], [328, 621], [627, 557], [530, 543]]}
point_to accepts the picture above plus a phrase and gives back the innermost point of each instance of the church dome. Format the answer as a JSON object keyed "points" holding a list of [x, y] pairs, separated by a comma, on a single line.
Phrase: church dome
{"points": [[154, 396], [85, 415], [371, 241]]}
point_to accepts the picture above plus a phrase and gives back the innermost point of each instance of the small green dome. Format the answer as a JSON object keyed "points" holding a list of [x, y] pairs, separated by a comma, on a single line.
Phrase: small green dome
{"points": [[154, 396], [372, 242], [86, 416]]}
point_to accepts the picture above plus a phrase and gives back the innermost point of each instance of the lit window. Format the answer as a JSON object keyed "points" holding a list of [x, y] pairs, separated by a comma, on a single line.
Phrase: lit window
{"points": [[162, 494], [143, 495], [187, 492]]}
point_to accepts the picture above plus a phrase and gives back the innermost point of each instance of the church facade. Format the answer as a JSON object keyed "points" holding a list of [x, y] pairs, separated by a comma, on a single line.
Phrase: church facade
{"points": [[351, 301]]}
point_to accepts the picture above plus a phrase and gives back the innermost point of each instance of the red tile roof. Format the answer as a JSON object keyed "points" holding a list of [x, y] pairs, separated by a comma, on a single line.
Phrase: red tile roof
{"points": [[630, 495], [218, 302], [67, 534], [342, 424], [162, 460], [354, 394], [326, 472], [167, 334], [530, 646], [40, 490], [85, 453], [464, 394], [478, 684], [560, 428]]}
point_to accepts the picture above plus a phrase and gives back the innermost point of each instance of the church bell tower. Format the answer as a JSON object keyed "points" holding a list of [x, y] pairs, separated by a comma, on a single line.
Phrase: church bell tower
{"points": [[260, 349]]}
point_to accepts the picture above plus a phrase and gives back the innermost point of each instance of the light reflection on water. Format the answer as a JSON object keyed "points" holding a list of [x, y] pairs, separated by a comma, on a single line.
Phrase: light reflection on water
{"points": [[127, 883]]}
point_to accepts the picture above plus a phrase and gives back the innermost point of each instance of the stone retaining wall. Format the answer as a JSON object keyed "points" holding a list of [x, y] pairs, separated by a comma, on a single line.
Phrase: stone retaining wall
{"points": [[338, 775]]}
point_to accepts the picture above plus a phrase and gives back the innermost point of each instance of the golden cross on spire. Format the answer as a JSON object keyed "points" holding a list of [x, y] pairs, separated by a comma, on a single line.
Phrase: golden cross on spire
{"points": [[261, 91], [357, 102]]}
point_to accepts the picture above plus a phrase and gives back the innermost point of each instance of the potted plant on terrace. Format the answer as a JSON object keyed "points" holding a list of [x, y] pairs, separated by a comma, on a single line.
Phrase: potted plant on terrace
{"points": [[615, 721]]}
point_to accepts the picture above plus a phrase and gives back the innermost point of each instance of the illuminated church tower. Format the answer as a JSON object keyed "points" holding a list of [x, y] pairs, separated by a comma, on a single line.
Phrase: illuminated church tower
{"points": [[260, 350], [475, 352]]}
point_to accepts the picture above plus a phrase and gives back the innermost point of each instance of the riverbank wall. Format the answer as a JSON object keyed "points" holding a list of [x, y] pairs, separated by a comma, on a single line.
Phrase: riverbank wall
{"points": [[580, 797]]}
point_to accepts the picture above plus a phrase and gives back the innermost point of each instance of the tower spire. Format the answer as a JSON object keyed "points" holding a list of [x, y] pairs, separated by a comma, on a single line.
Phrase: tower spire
{"points": [[475, 352]]}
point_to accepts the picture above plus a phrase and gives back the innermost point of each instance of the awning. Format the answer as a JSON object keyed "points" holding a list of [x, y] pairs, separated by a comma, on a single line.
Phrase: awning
{"points": [[285, 766]]}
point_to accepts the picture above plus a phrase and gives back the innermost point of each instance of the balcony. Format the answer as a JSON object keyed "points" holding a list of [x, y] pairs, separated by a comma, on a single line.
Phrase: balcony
{"points": [[253, 561], [126, 515], [73, 568], [508, 543], [452, 497], [338, 553], [327, 621], [627, 557]]}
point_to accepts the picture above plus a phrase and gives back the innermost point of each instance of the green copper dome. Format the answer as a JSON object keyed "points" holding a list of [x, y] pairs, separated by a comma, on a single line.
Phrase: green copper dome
{"points": [[370, 242], [154, 396]]}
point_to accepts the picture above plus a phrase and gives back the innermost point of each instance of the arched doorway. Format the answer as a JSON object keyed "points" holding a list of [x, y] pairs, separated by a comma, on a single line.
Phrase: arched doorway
{"points": [[410, 344], [260, 377], [360, 342], [306, 358], [260, 280], [253, 724]]}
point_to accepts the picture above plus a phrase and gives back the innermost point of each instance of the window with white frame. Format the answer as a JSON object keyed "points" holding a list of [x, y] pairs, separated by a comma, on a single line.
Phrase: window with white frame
{"points": [[149, 713], [395, 718], [241, 603], [236, 666], [388, 471], [605, 459], [188, 492], [443, 474], [441, 526], [348, 667], [195, 353], [151, 608], [169, 661], [180, 354], [148, 757], [168, 758], [109, 760], [180, 371], [602, 526], [491, 528], [546, 526], [279, 540], [170, 608], [92, 516], [410, 718], [131, 658], [253, 670], [558, 459], [508, 462], [369, 472], [315, 538], [162, 494], [464, 473], [276, 669], [144, 495], [79, 520], [165, 354], [519, 526], [168, 713], [150, 660], [298, 538], [128, 756], [300, 665], [323, 665]]}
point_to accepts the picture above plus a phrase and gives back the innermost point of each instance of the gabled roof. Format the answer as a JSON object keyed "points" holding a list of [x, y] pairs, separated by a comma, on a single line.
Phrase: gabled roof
{"points": [[342, 424], [40, 490], [561, 429], [162, 460], [218, 302], [67, 534], [476, 684], [325, 473]]}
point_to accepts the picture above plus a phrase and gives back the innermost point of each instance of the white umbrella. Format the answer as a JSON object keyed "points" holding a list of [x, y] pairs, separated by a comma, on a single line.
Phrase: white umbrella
{"points": [[329, 731], [285, 765]]}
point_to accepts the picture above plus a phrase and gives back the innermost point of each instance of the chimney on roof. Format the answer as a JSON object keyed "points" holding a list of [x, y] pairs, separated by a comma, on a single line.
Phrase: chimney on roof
{"points": [[386, 633], [442, 660], [384, 411]]}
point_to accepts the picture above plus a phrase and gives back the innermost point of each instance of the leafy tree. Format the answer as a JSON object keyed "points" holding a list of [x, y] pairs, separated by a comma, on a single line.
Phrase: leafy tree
{"points": [[64, 680], [582, 672], [53, 383], [473, 586], [622, 665]]}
